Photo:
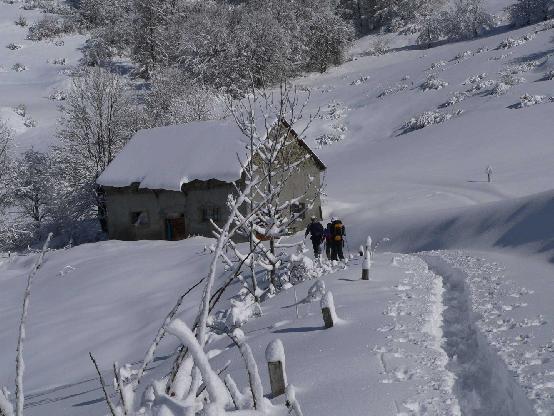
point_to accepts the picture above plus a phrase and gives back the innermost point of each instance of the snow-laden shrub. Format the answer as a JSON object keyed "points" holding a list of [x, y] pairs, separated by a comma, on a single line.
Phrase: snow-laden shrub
{"points": [[30, 123], [360, 80], [243, 307], [548, 76], [437, 65], [433, 83], [58, 95], [500, 89], [428, 118], [528, 100], [463, 55], [300, 268], [510, 42], [544, 26], [482, 85], [379, 46], [475, 79], [59, 61], [456, 98], [511, 79], [48, 27], [393, 90], [18, 67], [335, 110], [13, 46], [20, 110], [520, 68], [21, 21]]}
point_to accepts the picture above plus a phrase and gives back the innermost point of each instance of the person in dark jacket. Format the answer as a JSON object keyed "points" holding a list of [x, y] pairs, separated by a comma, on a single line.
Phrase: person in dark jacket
{"points": [[328, 241], [315, 229], [338, 232]]}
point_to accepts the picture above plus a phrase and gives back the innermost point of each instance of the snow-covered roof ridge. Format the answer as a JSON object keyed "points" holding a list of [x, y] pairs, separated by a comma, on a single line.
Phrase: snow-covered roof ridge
{"points": [[171, 156]]}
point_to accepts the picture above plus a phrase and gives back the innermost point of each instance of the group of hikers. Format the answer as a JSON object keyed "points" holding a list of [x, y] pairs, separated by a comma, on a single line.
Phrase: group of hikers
{"points": [[332, 235]]}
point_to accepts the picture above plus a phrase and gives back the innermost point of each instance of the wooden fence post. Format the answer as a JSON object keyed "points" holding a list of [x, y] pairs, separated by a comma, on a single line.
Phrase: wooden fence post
{"points": [[366, 265], [328, 310], [275, 357]]}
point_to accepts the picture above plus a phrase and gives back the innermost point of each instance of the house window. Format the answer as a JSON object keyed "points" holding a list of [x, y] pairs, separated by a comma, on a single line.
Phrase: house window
{"points": [[298, 210], [140, 219], [211, 213]]}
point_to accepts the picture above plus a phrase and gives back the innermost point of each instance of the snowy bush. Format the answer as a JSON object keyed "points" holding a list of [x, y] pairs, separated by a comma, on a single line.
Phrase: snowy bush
{"points": [[13, 46], [48, 27], [393, 90], [433, 83], [528, 100], [428, 119], [59, 61], [437, 65], [300, 268], [463, 55], [511, 79], [548, 76], [482, 85], [20, 110], [475, 79], [456, 98], [379, 46], [360, 80], [29, 122], [18, 67], [500, 89], [21, 21], [509, 43], [58, 95]]}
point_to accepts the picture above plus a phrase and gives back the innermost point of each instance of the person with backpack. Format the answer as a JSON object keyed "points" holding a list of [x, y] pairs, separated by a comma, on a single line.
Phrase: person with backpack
{"points": [[315, 229], [338, 232]]}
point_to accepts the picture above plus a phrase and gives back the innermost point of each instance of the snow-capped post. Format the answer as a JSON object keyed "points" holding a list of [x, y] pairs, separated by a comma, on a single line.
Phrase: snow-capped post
{"points": [[488, 171], [275, 356], [366, 265], [328, 310]]}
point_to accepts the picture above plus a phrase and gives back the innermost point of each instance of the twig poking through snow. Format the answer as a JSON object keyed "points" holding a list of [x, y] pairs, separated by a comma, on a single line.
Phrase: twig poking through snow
{"points": [[103, 384]]}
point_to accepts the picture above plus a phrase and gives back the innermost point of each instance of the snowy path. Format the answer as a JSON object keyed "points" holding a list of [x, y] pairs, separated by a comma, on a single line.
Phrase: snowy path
{"points": [[483, 385]]}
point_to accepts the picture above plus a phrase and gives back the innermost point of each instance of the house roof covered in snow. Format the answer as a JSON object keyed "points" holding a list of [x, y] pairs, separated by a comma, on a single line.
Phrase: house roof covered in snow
{"points": [[169, 157]]}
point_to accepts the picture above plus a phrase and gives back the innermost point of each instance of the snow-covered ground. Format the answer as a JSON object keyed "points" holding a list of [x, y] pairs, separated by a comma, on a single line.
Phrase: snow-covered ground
{"points": [[46, 64], [464, 330]]}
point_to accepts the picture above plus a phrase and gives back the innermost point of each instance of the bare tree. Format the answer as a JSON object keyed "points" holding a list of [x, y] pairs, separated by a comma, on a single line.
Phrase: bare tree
{"points": [[277, 154], [98, 118]]}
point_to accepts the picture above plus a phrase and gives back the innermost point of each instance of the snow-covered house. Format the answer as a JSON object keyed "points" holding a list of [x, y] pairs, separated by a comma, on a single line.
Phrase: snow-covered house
{"points": [[168, 182]]}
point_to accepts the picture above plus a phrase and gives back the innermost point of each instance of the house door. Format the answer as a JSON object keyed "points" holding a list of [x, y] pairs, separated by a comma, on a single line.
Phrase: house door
{"points": [[175, 229]]}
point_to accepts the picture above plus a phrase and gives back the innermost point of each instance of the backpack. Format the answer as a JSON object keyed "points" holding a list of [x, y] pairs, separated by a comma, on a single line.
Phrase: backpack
{"points": [[337, 231]]}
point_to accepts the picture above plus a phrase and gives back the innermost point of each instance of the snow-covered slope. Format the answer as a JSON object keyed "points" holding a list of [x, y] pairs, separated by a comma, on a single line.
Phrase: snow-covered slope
{"points": [[46, 64]]}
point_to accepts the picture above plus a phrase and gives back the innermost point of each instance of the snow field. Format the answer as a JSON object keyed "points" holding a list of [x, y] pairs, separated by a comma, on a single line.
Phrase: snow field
{"points": [[110, 298]]}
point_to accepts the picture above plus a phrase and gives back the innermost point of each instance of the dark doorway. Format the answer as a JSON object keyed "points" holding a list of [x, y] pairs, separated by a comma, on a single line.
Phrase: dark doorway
{"points": [[175, 228]]}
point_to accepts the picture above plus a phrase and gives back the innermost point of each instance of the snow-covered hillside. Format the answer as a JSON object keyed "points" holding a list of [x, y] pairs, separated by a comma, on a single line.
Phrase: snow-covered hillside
{"points": [[466, 329], [39, 81]]}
